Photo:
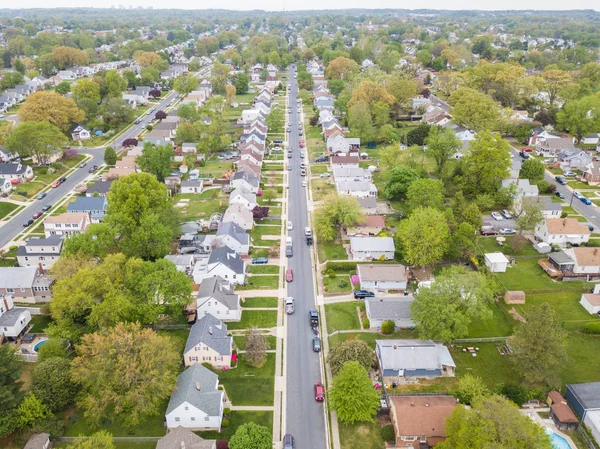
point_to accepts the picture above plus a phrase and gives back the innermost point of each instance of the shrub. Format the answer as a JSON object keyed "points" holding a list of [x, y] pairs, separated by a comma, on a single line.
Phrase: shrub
{"points": [[343, 283], [222, 444], [366, 323], [224, 423], [592, 328], [388, 327], [331, 274], [387, 433], [515, 392], [226, 411]]}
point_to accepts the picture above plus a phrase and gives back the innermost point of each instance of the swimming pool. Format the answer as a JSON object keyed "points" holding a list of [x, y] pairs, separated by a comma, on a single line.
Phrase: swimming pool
{"points": [[557, 441], [38, 344]]}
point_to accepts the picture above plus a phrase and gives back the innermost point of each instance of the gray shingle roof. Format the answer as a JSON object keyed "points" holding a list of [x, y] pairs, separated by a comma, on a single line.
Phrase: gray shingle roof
{"points": [[220, 290], [227, 257], [587, 394], [234, 230], [100, 187], [94, 204], [11, 317], [212, 332], [548, 204], [182, 438], [12, 168], [412, 354], [397, 309], [208, 398], [372, 244], [17, 277]]}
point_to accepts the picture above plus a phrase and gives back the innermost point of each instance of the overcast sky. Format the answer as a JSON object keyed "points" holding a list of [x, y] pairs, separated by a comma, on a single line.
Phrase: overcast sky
{"points": [[278, 5]]}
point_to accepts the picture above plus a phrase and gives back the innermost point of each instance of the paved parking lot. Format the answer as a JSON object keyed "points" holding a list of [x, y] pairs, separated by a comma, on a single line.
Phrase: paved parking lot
{"points": [[499, 224]]}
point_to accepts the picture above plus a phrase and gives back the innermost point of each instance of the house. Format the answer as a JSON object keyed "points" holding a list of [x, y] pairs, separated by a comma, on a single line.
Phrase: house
{"points": [[585, 260], [413, 358], [95, 206], [183, 262], [549, 208], [6, 155], [208, 342], [242, 180], [553, 146], [38, 441], [344, 162], [359, 189], [80, 132], [591, 139], [522, 188], [591, 173], [99, 188], [232, 236], [389, 309], [560, 231], [67, 223], [561, 413], [496, 262], [42, 253], [368, 205], [584, 399], [371, 225], [196, 402], [382, 276], [573, 159], [241, 216], [194, 186], [13, 320], [25, 284], [244, 197], [420, 421], [347, 174], [591, 301], [222, 262], [115, 173], [539, 135], [5, 186], [217, 298], [372, 248], [180, 438], [16, 170]]}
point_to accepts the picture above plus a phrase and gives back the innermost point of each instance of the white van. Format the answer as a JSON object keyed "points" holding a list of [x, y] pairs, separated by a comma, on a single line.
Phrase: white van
{"points": [[307, 231]]}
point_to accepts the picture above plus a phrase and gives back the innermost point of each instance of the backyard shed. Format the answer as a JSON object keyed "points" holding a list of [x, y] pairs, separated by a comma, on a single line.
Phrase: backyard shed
{"points": [[496, 262], [514, 297]]}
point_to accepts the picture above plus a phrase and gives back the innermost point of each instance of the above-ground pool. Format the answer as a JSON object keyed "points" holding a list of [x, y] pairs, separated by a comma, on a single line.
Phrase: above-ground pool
{"points": [[557, 441], [38, 344]]}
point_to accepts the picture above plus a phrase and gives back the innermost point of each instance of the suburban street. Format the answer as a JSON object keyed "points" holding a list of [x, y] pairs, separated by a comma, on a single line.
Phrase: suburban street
{"points": [[304, 416], [15, 226]]}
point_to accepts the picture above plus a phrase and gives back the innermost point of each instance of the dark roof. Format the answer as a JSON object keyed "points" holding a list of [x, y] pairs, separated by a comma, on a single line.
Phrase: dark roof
{"points": [[227, 257], [12, 168], [197, 386], [182, 438], [100, 187], [11, 317], [548, 204], [561, 258], [397, 309], [211, 332], [588, 394], [54, 240]]}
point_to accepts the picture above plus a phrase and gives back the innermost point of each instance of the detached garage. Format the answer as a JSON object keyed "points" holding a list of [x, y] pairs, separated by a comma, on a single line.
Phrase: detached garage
{"points": [[496, 262]]}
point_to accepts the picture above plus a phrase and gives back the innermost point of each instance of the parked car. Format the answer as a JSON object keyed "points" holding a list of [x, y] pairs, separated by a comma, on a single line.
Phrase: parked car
{"points": [[304, 183], [290, 225], [317, 344], [506, 214], [37, 215], [289, 275], [496, 216], [47, 207], [55, 184], [28, 223], [507, 231], [92, 169], [41, 196], [288, 130], [289, 166], [289, 154], [83, 164], [302, 172], [288, 441], [527, 150], [362, 294], [524, 155], [321, 159], [560, 195], [302, 165], [488, 232], [324, 175], [62, 180], [260, 260], [585, 200], [569, 174], [319, 392], [577, 195], [562, 181], [591, 228]]}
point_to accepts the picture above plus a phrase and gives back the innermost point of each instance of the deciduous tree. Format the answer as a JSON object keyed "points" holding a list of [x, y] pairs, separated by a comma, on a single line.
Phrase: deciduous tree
{"points": [[98, 440], [86, 88], [114, 84], [486, 164], [580, 117], [445, 310], [532, 169], [51, 383], [230, 93], [10, 388], [67, 57], [352, 394], [39, 140], [256, 348], [125, 372], [241, 83], [555, 81], [110, 156], [425, 191], [335, 213], [31, 411], [442, 144], [474, 110], [470, 387], [186, 83], [146, 58], [360, 121], [401, 178], [348, 351], [424, 237], [251, 436], [528, 212], [340, 68], [47, 106]]}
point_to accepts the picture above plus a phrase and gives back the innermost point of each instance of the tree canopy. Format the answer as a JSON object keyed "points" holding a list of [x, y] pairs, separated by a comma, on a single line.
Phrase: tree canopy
{"points": [[474, 109], [156, 159], [48, 106], [251, 436], [348, 351], [40, 140], [401, 177], [424, 237], [335, 213], [352, 394], [486, 164]]}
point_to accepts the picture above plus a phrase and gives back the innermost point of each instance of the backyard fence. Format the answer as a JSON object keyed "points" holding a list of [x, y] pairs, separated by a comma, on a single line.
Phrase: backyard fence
{"points": [[29, 358], [481, 340]]}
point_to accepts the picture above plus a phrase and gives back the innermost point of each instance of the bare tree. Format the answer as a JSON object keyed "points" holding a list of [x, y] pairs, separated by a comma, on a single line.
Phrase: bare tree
{"points": [[256, 348]]}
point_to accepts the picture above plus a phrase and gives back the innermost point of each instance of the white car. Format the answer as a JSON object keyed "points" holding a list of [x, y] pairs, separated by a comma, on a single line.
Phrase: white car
{"points": [[507, 231], [506, 214], [569, 174], [290, 226], [496, 216], [327, 175], [304, 183]]}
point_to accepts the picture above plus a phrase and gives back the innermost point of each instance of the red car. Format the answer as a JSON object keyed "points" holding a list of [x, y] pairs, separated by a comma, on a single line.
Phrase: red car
{"points": [[527, 150], [289, 275], [319, 392], [55, 184], [37, 215]]}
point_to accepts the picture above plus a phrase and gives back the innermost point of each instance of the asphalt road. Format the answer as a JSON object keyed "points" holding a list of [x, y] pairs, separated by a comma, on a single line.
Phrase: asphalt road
{"points": [[15, 226], [304, 416]]}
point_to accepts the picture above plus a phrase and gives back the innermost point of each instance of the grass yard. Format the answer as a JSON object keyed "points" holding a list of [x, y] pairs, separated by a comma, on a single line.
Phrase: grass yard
{"points": [[370, 337], [29, 189], [267, 221], [178, 336], [318, 169], [260, 282], [263, 269], [40, 323], [320, 188], [361, 435], [240, 341], [203, 205], [342, 316], [6, 208], [263, 319], [236, 419], [259, 231], [260, 301], [331, 251], [492, 367], [246, 385], [528, 276], [117, 445], [497, 326], [490, 245], [338, 284]]}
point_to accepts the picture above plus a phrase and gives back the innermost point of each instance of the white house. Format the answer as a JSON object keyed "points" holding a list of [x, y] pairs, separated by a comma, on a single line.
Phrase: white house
{"points": [[66, 224], [183, 262], [242, 180], [238, 214], [243, 197], [496, 262], [585, 260], [80, 132], [229, 235], [522, 188], [549, 208], [560, 231], [382, 276], [217, 297], [16, 170], [5, 186], [222, 262], [359, 189], [349, 174], [385, 309], [591, 301], [196, 403], [40, 252], [13, 320], [208, 342], [191, 186], [370, 248]]}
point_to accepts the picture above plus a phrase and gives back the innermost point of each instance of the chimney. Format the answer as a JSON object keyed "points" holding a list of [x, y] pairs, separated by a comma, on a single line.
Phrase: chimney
{"points": [[40, 269], [210, 330], [595, 251], [198, 385], [183, 445], [426, 405], [412, 403]]}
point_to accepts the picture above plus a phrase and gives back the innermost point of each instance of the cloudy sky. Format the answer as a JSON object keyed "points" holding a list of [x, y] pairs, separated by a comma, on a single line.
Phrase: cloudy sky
{"points": [[278, 5]]}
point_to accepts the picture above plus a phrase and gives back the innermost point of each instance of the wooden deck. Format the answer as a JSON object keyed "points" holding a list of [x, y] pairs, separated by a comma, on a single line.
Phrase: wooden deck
{"points": [[549, 268]]}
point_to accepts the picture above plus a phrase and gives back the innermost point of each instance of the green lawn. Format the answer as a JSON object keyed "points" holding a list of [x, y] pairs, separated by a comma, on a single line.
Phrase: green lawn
{"points": [[370, 337], [265, 221], [263, 269], [342, 316], [361, 435], [260, 301], [40, 323], [332, 285], [236, 419], [317, 169], [6, 208], [320, 188], [331, 251], [179, 337], [246, 385], [117, 445], [29, 189], [259, 318], [240, 341], [527, 275], [490, 245], [260, 283], [259, 231], [203, 205], [492, 367], [497, 326]]}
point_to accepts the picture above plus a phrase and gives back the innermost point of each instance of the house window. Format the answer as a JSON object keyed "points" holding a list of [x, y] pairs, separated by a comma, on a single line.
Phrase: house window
{"points": [[206, 418], [176, 419], [193, 418], [10, 290], [186, 408]]}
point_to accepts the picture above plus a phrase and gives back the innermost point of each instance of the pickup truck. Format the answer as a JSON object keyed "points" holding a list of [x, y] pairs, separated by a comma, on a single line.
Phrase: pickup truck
{"points": [[313, 316], [289, 305]]}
